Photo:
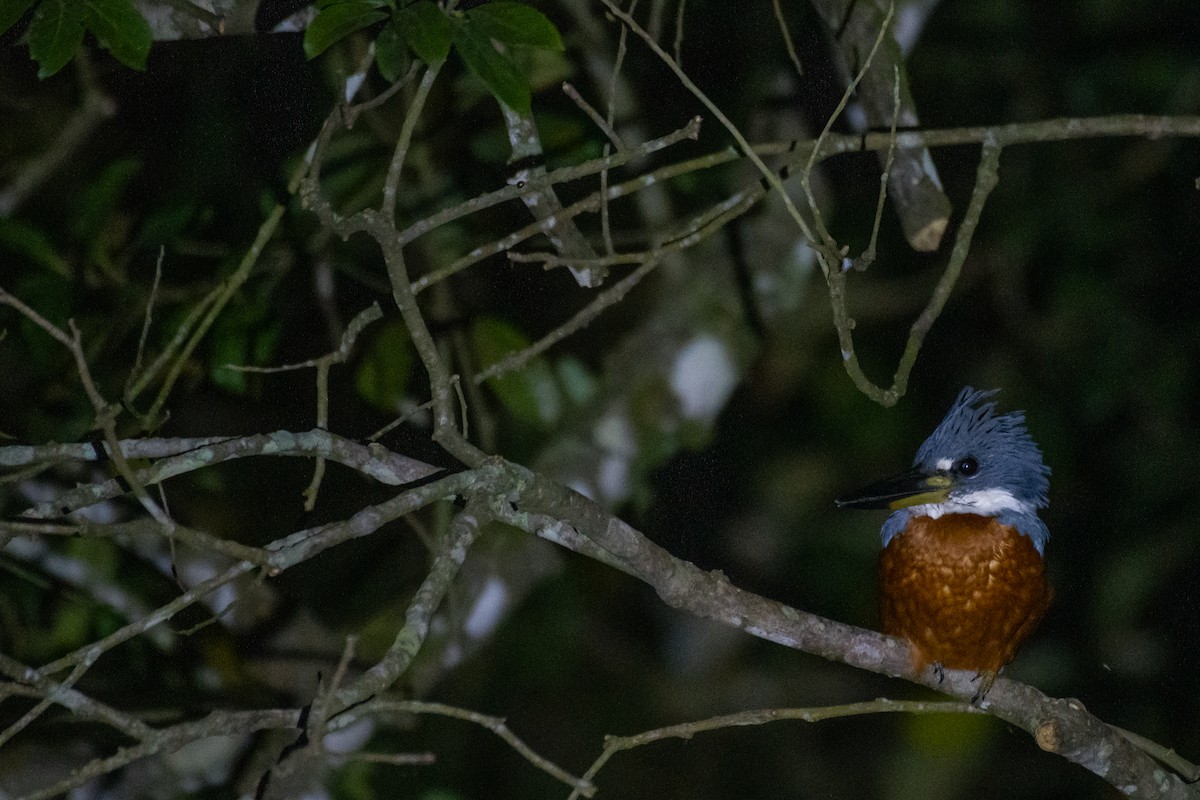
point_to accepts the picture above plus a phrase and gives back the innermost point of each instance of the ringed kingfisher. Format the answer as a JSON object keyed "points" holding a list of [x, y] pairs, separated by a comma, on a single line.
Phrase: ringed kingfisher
{"points": [[961, 575]]}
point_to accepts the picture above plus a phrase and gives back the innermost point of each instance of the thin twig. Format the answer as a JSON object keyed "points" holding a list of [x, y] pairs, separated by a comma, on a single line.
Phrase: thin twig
{"points": [[594, 115], [589, 203], [186, 326], [105, 413], [353, 111], [746, 149], [314, 486], [806, 176], [36, 318], [55, 695], [1060, 129], [147, 319], [527, 155], [986, 177], [223, 295], [690, 234], [82, 706], [686, 730], [95, 649], [375, 461], [216, 723], [448, 559], [786, 35], [561, 175], [618, 62], [392, 183], [396, 759], [95, 108], [496, 725], [581, 319], [605, 216], [361, 320], [1164, 755], [867, 257], [678, 43]]}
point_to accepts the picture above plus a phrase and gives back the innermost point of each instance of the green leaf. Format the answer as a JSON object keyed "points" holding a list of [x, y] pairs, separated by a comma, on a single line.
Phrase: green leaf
{"points": [[34, 246], [50, 295], [516, 25], [428, 31], [165, 224], [55, 33], [102, 198], [244, 335], [578, 383], [530, 394], [323, 4], [120, 29], [382, 376], [338, 21], [70, 627], [391, 52], [11, 11], [495, 69]]}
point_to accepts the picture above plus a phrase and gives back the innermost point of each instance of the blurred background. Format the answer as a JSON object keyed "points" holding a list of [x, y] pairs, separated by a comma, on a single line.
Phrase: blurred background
{"points": [[1080, 300]]}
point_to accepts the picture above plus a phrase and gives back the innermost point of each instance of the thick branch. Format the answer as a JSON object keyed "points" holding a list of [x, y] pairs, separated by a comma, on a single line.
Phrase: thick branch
{"points": [[566, 239], [187, 455], [913, 182], [1059, 726], [447, 561]]}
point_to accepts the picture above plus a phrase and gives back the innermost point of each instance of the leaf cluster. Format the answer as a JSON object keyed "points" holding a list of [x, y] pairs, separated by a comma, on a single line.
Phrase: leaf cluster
{"points": [[481, 36], [57, 28]]}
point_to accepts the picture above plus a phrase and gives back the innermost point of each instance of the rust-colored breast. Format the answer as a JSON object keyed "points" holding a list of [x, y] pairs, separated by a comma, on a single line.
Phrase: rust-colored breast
{"points": [[963, 589]]}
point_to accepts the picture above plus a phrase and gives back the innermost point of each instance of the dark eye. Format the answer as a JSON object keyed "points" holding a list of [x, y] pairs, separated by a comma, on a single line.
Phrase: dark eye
{"points": [[967, 467]]}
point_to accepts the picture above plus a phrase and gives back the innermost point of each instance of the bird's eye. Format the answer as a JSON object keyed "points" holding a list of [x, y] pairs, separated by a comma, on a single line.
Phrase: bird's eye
{"points": [[967, 467]]}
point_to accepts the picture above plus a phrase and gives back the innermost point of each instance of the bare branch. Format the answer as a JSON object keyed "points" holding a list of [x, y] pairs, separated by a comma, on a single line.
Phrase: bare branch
{"points": [[494, 724], [867, 257], [166, 740], [806, 176], [323, 364], [827, 260], [594, 115], [914, 185], [562, 175], [986, 178], [686, 730], [609, 297], [187, 455], [543, 203], [392, 182], [361, 320], [786, 35], [448, 559], [1076, 734], [95, 108]]}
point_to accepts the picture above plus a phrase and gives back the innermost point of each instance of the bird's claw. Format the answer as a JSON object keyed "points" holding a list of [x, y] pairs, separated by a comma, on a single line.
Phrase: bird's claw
{"points": [[986, 678]]}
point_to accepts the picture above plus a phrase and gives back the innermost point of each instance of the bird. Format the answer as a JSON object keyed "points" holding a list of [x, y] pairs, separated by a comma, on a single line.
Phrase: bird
{"points": [[962, 571]]}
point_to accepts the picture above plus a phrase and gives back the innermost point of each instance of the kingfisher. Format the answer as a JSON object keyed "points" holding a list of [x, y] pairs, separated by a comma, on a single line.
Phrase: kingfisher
{"points": [[962, 573]]}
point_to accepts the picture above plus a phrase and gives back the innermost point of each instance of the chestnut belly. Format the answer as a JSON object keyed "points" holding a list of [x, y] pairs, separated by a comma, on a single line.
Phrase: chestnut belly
{"points": [[964, 590]]}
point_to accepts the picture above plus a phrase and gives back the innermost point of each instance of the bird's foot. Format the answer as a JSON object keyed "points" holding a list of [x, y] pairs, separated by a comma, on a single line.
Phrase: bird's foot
{"points": [[986, 678], [939, 672]]}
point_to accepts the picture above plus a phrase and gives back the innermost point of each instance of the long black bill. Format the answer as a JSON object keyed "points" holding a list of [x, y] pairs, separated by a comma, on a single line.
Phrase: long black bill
{"points": [[911, 488]]}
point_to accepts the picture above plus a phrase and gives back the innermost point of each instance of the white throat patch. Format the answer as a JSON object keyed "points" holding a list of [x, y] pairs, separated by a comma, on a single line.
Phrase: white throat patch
{"points": [[985, 503]]}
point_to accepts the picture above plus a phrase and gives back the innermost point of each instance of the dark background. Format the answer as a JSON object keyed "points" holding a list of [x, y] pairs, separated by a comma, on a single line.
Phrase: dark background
{"points": [[1080, 300]]}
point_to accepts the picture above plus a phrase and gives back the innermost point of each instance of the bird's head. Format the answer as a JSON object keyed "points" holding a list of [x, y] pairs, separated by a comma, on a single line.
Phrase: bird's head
{"points": [[975, 462]]}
